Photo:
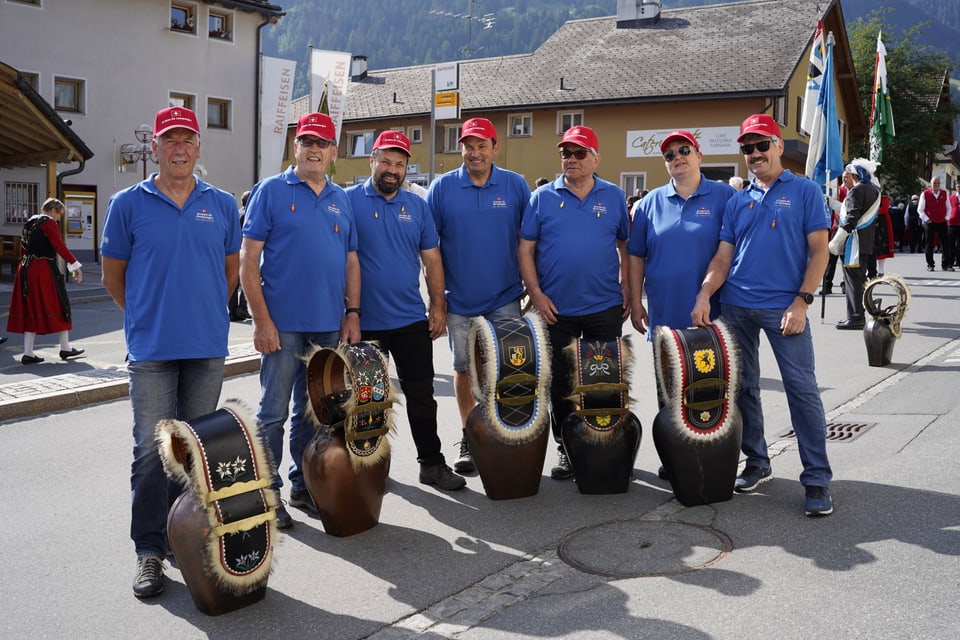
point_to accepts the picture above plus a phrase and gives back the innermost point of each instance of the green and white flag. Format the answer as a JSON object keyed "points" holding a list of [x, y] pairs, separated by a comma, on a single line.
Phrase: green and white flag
{"points": [[881, 115]]}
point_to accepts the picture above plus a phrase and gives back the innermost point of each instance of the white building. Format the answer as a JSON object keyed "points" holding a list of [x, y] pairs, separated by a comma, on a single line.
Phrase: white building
{"points": [[107, 66]]}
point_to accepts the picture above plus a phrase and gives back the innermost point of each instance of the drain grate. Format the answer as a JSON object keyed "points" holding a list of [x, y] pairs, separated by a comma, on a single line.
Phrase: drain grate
{"points": [[837, 431]]}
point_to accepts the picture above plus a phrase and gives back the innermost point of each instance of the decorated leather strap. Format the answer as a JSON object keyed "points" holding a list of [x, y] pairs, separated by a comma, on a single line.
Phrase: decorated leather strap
{"points": [[601, 390], [221, 459], [510, 374], [697, 377], [351, 385]]}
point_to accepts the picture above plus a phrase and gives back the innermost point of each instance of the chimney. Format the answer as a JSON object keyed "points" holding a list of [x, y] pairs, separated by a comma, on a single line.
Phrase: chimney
{"points": [[634, 14], [358, 68]]}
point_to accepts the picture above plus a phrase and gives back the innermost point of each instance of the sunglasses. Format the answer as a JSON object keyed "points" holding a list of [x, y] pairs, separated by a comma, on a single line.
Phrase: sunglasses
{"points": [[579, 154], [319, 143], [763, 146], [671, 155]]}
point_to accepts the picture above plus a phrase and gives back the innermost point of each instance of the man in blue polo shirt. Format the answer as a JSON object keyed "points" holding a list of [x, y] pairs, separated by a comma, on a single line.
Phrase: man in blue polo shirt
{"points": [[300, 273], [395, 232], [170, 255], [477, 210], [573, 258], [675, 232], [771, 258]]}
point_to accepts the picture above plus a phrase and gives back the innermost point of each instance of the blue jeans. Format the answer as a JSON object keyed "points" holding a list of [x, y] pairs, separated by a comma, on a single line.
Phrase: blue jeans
{"points": [[283, 373], [179, 389], [458, 329], [795, 359]]}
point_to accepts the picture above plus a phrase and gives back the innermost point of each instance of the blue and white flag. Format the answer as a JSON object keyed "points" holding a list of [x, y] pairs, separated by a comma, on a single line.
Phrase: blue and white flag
{"points": [[824, 156]]}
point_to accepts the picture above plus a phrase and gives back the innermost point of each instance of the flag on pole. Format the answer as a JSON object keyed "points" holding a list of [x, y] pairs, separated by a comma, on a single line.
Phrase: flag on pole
{"points": [[814, 75], [824, 156], [881, 114]]}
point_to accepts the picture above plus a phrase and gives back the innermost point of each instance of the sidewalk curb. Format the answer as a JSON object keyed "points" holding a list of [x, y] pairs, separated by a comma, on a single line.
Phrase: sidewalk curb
{"points": [[70, 392]]}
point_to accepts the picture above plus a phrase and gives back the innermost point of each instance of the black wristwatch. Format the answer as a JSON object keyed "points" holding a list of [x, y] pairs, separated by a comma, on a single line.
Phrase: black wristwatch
{"points": [[355, 310], [807, 297]]}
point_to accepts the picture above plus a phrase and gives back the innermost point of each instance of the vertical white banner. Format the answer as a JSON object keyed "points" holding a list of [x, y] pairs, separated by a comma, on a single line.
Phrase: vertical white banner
{"points": [[329, 78], [276, 88]]}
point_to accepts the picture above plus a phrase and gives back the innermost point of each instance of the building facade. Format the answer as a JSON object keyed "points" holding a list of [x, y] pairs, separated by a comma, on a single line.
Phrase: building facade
{"points": [[107, 66]]}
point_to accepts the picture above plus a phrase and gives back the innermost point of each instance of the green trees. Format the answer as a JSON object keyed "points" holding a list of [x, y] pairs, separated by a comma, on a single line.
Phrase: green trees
{"points": [[915, 76]]}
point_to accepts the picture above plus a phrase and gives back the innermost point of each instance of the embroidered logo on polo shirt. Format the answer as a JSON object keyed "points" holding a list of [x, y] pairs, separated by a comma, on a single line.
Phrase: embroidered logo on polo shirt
{"points": [[499, 203], [703, 212], [599, 209], [334, 209], [784, 202], [204, 216], [403, 216]]}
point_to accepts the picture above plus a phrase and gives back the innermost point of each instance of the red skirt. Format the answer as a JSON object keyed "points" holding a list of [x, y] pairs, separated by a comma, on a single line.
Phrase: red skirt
{"points": [[42, 311]]}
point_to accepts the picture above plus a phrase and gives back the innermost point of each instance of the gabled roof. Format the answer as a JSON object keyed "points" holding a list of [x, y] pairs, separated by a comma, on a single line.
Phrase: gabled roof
{"points": [[259, 6], [730, 50], [31, 131]]}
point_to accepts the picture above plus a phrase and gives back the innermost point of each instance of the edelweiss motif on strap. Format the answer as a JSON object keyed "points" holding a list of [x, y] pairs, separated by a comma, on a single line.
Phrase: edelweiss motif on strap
{"points": [[221, 459]]}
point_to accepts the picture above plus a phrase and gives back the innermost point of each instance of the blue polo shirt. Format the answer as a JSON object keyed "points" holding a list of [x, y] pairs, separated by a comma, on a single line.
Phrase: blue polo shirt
{"points": [[677, 239], [390, 236], [303, 267], [769, 232], [479, 231], [176, 287], [577, 260]]}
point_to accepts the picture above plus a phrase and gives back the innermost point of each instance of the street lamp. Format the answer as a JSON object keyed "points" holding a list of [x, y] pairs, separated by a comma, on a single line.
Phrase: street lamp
{"points": [[133, 153]]}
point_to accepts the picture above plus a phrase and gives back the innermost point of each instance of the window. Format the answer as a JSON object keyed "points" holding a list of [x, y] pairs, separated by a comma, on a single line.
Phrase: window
{"points": [[520, 125], [220, 26], [567, 119], [183, 17], [633, 182], [218, 113], [32, 79], [184, 100], [359, 143], [799, 114], [68, 95], [780, 110], [451, 135], [416, 135], [20, 201]]}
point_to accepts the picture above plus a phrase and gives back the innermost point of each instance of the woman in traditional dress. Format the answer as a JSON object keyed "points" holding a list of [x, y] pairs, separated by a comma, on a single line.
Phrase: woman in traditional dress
{"points": [[39, 303]]}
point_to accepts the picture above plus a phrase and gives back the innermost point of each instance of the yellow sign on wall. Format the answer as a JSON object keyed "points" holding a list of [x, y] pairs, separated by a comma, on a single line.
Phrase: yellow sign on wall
{"points": [[446, 105]]}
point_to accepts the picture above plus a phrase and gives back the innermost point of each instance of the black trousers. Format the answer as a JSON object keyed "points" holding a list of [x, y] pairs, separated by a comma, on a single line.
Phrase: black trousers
{"points": [[854, 280], [930, 229], [602, 325], [412, 351], [953, 236]]}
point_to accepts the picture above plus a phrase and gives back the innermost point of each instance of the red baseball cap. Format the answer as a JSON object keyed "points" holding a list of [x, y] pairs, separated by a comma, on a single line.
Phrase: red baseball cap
{"points": [[679, 134], [761, 124], [478, 128], [175, 118], [581, 136], [392, 140], [316, 124]]}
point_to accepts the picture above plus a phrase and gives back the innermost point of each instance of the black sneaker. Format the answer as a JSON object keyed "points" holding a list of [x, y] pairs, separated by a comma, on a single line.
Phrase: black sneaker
{"points": [[751, 478], [818, 502], [464, 463], [300, 498], [284, 521], [149, 580], [563, 470], [441, 476]]}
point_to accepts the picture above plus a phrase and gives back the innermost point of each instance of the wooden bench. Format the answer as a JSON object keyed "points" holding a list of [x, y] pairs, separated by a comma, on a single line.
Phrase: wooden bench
{"points": [[9, 253]]}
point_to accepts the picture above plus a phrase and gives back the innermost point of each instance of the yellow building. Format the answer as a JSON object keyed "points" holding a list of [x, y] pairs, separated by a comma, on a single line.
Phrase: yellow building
{"points": [[632, 78]]}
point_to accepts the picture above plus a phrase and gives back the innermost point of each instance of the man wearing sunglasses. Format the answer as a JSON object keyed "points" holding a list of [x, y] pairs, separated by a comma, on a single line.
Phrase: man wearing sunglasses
{"points": [[301, 275], [772, 255], [681, 218], [574, 263]]}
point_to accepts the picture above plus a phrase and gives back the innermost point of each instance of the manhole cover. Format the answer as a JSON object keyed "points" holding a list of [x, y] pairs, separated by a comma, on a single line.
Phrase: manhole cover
{"points": [[642, 548], [838, 431]]}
